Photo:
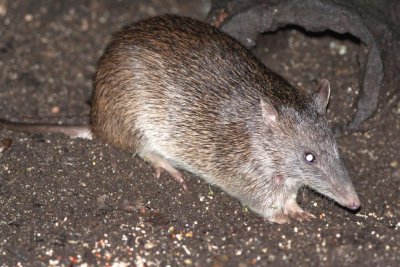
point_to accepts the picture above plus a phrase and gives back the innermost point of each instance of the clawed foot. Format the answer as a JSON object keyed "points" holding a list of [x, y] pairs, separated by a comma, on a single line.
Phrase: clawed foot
{"points": [[177, 175], [302, 216], [280, 218], [293, 210], [160, 164]]}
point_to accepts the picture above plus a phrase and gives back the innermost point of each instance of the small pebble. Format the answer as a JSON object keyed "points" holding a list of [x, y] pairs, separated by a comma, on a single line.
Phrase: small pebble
{"points": [[149, 245], [394, 164], [28, 17], [55, 110]]}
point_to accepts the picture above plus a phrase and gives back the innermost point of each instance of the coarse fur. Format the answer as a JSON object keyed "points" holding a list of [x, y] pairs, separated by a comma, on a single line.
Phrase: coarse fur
{"points": [[182, 94]]}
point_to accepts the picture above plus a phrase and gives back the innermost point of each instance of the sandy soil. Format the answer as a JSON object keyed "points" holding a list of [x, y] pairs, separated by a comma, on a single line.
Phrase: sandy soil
{"points": [[71, 202]]}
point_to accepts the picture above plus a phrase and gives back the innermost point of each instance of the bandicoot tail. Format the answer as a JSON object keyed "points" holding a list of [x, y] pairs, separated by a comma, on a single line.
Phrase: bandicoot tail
{"points": [[73, 131]]}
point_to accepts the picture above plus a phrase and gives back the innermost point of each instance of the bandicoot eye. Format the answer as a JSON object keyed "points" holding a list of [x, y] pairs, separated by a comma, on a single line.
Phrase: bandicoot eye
{"points": [[309, 157]]}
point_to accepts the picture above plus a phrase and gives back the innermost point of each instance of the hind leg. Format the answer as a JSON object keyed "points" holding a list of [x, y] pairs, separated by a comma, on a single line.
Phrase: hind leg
{"points": [[160, 164]]}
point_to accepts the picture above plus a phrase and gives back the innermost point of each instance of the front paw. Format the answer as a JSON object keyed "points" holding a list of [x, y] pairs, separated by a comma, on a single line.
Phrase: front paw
{"points": [[294, 211], [280, 218], [301, 216]]}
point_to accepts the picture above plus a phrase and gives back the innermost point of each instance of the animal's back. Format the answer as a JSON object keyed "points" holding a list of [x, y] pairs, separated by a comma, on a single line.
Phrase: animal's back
{"points": [[184, 89]]}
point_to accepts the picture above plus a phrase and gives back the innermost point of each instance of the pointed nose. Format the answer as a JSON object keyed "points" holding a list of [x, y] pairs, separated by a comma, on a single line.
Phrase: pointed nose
{"points": [[353, 204]]}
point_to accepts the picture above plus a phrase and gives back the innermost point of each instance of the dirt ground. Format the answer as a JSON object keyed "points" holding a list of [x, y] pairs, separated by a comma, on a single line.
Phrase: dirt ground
{"points": [[70, 202]]}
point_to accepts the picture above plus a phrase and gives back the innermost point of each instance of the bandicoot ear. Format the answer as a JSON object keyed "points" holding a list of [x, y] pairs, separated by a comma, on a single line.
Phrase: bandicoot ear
{"points": [[269, 113], [321, 97]]}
